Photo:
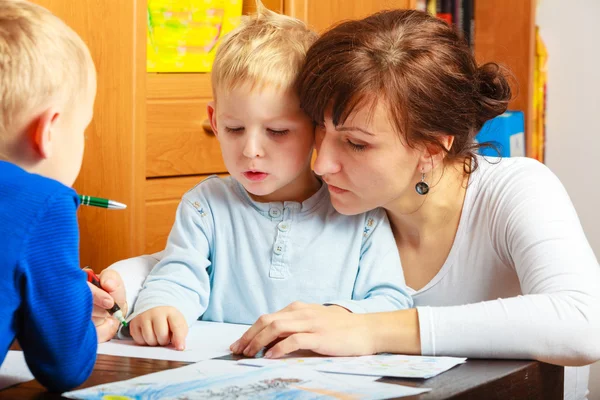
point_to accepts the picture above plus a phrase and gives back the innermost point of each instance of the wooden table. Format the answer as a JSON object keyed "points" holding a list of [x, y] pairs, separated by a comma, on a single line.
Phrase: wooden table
{"points": [[476, 379]]}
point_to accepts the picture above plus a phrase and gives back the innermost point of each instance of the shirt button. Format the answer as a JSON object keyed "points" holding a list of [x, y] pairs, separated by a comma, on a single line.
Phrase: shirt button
{"points": [[283, 226], [274, 212], [278, 248]]}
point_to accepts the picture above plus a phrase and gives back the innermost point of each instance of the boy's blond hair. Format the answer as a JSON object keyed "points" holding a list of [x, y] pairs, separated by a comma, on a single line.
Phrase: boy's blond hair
{"points": [[267, 49], [41, 59]]}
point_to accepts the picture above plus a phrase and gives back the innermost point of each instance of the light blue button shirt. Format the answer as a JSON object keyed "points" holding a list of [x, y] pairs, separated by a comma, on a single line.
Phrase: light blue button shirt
{"points": [[231, 259]]}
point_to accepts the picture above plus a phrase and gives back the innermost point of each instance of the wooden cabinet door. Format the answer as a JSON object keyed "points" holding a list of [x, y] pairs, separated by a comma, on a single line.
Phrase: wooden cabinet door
{"points": [[114, 159], [321, 14]]}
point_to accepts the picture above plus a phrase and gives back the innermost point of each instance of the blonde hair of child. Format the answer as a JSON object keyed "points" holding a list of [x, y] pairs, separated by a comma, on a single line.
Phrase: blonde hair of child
{"points": [[41, 59], [266, 49]]}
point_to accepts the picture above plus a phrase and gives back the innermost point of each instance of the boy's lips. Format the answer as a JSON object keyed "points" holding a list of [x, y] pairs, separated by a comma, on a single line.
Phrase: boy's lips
{"points": [[255, 176]]}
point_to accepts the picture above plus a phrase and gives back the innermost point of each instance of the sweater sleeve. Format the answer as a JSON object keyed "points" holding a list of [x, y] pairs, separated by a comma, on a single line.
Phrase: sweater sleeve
{"points": [[181, 278], [379, 284], [535, 229], [57, 335]]}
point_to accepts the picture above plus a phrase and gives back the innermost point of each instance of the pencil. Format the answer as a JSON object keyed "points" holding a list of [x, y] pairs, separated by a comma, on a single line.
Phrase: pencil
{"points": [[100, 202]]}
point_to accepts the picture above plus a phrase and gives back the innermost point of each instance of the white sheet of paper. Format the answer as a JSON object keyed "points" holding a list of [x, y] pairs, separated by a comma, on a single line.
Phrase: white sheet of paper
{"points": [[213, 378], [393, 365], [205, 340], [293, 361], [14, 370], [397, 366], [305, 362]]}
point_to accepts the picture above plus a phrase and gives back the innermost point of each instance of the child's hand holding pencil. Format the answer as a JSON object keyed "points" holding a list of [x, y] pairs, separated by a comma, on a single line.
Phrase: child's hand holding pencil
{"points": [[113, 290]]}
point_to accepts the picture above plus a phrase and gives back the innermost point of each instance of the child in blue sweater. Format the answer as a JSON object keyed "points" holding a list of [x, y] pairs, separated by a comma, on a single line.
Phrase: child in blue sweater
{"points": [[47, 90]]}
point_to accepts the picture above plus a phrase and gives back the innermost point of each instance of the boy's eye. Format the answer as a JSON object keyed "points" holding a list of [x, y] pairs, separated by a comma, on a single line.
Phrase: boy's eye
{"points": [[356, 147], [233, 130], [278, 132]]}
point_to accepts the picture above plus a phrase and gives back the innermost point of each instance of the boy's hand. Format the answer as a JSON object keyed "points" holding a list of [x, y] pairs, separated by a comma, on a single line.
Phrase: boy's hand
{"points": [[160, 326], [114, 290]]}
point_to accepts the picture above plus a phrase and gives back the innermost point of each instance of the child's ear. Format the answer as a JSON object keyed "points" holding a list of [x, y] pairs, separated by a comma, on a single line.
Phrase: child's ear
{"points": [[212, 117], [42, 132]]}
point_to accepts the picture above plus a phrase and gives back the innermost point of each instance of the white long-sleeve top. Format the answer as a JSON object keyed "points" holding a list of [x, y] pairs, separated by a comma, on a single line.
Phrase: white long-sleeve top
{"points": [[521, 280]]}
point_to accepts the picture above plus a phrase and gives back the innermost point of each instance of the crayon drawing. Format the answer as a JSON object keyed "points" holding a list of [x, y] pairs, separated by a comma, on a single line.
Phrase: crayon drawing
{"points": [[253, 383]]}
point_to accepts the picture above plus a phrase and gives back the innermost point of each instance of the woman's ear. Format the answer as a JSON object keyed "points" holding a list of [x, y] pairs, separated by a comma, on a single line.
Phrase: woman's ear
{"points": [[432, 156], [41, 132], [212, 117]]}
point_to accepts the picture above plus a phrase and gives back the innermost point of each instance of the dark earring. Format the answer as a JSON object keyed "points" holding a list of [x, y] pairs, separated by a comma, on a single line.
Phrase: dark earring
{"points": [[422, 187]]}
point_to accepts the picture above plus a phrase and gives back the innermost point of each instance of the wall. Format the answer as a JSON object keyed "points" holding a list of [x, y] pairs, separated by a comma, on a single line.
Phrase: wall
{"points": [[571, 32]]}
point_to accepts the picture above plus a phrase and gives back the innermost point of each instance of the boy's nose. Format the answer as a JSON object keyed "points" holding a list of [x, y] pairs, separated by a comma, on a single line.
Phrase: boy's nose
{"points": [[253, 147]]}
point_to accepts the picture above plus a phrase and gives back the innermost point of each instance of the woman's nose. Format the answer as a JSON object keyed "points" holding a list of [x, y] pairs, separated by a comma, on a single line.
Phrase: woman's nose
{"points": [[326, 162]]}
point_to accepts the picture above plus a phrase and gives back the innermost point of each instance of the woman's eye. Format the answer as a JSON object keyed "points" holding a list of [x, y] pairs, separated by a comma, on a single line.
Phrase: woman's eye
{"points": [[356, 147], [278, 132], [234, 130]]}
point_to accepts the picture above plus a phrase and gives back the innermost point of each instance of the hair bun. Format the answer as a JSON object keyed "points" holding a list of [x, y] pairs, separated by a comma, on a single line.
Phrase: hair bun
{"points": [[494, 91]]}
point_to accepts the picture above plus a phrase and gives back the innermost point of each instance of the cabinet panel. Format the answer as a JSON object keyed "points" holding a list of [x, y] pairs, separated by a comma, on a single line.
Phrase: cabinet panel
{"points": [[506, 34], [160, 216], [178, 86], [163, 197], [113, 163], [177, 144], [249, 6], [171, 188], [321, 14]]}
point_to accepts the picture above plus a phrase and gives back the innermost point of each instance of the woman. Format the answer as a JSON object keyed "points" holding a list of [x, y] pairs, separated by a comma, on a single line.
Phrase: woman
{"points": [[493, 249]]}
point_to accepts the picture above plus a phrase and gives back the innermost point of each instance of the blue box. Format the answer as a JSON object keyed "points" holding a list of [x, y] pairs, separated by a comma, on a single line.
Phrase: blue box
{"points": [[506, 132]]}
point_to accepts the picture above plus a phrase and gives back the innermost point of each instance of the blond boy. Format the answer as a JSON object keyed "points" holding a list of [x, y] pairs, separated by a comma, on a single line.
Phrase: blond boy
{"points": [[266, 236], [47, 90]]}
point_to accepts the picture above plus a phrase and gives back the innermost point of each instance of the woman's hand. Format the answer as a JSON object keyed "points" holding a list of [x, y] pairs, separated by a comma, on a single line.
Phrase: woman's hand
{"points": [[328, 330], [114, 291]]}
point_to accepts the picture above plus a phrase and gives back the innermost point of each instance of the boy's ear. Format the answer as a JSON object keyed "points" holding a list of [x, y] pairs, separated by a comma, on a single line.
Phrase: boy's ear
{"points": [[212, 117], [41, 131]]}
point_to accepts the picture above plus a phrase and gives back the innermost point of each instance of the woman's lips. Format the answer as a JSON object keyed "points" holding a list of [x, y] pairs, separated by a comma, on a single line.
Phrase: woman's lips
{"points": [[335, 189]]}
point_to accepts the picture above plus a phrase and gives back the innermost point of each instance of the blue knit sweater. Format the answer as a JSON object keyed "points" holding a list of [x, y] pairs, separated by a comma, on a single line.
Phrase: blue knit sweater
{"points": [[45, 301]]}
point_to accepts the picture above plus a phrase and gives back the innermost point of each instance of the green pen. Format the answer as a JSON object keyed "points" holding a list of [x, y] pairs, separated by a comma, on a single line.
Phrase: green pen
{"points": [[100, 202]]}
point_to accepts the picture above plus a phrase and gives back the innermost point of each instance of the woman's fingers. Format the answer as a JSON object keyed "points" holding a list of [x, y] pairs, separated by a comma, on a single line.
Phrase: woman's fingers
{"points": [[279, 328], [264, 320], [295, 342], [260, 324]]}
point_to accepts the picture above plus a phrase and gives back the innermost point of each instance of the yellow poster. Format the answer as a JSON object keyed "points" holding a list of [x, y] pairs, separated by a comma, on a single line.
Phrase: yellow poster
{"points": [[183, 34]]}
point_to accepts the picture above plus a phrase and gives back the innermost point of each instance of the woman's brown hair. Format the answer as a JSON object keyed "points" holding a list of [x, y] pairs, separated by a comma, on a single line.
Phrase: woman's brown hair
{"points": [[418, 65]]}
